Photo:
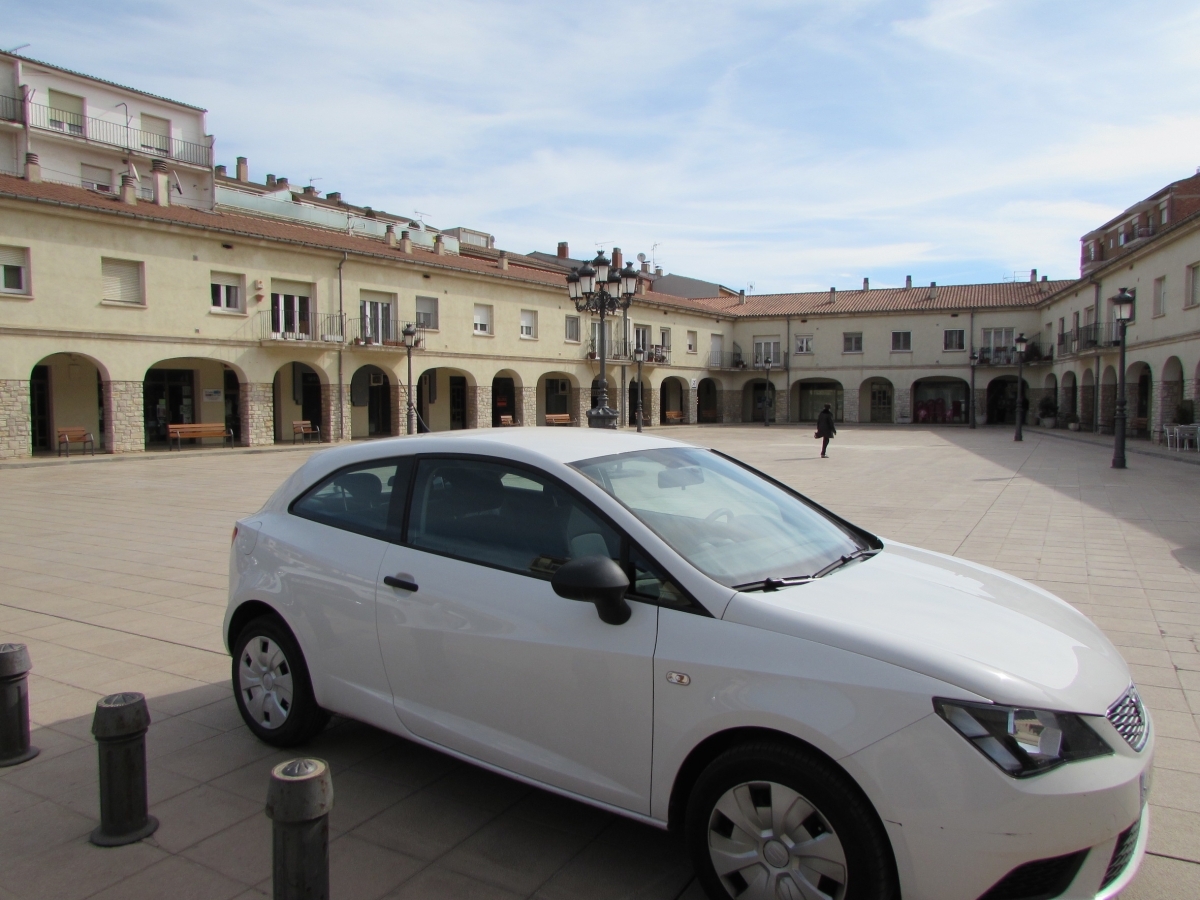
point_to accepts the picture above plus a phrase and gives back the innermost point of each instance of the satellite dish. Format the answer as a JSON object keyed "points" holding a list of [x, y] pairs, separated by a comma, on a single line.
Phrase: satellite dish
{"points": [[641, 257]]}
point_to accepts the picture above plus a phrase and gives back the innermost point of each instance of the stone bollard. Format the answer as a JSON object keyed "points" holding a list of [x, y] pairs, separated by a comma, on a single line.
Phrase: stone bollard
{"points": [[14, 705], [120, 726], [298, 803]]}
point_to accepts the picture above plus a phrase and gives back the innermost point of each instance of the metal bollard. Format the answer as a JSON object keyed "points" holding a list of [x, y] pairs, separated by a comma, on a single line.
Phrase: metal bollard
{"points": [[298, 803], [14, 705], [120, 726]]}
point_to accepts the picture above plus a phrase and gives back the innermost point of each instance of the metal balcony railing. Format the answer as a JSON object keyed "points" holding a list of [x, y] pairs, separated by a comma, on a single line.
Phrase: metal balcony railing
{"points": [[361, 331], [286, 325], [12, 109], [778, 360], [726, 359], [1088, 337], [1007, 356], [114, 134]]}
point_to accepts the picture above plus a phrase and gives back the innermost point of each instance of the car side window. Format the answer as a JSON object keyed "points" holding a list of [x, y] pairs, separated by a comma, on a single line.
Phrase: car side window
{"points": [[359, 498], [503, 515], [649, 582]]}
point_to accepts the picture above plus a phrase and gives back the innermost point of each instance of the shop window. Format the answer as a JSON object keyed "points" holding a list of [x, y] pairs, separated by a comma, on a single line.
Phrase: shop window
{"points": [[14, 266], [122, 281], [901, 341]]}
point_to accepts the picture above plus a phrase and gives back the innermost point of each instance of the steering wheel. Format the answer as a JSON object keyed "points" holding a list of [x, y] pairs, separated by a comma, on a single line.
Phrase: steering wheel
{"points": [[723, 511]]}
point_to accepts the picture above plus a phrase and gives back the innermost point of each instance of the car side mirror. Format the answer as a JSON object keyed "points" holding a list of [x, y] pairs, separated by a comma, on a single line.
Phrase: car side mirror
{"points": [[598, 580]]}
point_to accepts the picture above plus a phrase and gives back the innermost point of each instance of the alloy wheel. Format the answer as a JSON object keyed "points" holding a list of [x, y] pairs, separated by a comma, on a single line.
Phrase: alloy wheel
{"points": [[767, 842], [265, 682]]}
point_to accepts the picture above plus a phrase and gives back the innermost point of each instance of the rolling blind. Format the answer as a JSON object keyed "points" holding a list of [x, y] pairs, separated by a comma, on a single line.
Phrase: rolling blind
{"points": [[122, 280], [12, 256]]}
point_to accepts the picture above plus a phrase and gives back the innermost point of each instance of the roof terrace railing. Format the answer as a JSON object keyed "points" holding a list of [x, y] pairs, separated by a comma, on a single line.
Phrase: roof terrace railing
{"points": [[114, 134], [11, 109]]}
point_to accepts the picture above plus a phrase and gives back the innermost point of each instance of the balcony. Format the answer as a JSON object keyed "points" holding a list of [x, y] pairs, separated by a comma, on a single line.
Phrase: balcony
{"points": [[726, 359], [12, 109], [362, 332], [1007, 356], [622, 352], [778, 361], [113, 134], [1096, 336], [286, 325]]}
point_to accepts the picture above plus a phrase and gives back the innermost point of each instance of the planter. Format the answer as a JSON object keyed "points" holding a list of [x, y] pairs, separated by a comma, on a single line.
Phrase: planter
{"points": [[1048, 423], [1073, 426]]}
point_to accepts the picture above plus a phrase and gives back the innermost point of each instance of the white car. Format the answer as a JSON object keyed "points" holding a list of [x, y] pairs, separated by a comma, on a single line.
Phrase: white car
{"points": [[663, 632]]}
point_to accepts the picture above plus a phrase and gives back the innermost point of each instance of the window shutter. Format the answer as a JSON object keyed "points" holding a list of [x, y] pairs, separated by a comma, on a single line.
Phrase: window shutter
{"points": [[122, 280], [12, 256]]}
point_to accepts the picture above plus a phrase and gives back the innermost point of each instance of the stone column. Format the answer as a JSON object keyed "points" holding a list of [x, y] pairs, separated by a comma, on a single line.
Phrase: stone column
{"points": [[479, 406], [729, 406], [581, 402], [652, 405], [1108, 409], [1066, 404], [1087, 407], [124, 417], [16, 437], [527, 406], [256, 409], [850, 411], [329, 413], [689, 406], [902, 405]]}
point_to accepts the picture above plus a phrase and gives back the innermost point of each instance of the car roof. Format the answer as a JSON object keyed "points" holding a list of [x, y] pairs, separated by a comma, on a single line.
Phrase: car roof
{"points": [[564, 445]]}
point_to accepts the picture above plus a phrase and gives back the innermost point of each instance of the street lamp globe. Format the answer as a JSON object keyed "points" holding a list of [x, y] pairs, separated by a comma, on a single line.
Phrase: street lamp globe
{"points": [[1123, 306], [410, 335], [1021, 343]]}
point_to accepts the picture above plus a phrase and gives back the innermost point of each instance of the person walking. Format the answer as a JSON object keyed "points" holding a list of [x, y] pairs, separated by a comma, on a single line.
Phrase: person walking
{"points": [[825, 429]]}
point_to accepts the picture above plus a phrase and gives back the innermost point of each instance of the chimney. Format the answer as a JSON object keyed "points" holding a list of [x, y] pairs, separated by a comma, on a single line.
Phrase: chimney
{"points": [[129, 189], [310, 191], [220, 172], [33, 168], [281, 181], [334, 196], [866, 284], [658, 271], [405, 242], [270, 180], [1033, 274], [439, 245], [389, 235], [503, 261], [617, 259], [642, 287], [833, 295], [908, 281], [646, 267], [564, 251], [742, 297], [243, 169], [161, 182], [1045, 278], [933, 290]]}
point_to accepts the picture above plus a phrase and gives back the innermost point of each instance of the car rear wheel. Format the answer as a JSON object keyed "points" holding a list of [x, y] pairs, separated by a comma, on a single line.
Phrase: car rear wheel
{"points": [[767, 821], [272, 687]]}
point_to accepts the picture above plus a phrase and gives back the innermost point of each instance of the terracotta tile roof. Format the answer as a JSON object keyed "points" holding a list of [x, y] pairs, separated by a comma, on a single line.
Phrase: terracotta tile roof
{"points": [[1000, 295]]}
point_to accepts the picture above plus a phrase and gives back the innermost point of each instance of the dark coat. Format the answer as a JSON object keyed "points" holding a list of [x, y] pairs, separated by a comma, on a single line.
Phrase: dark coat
{"points": [[825, 426]]}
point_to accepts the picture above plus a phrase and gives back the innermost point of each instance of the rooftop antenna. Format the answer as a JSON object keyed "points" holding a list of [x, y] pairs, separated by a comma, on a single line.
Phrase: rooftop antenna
{"points": [[420, 216], [600, 245], [314, 178], [653, 259], [750, 288], [21, 47]]}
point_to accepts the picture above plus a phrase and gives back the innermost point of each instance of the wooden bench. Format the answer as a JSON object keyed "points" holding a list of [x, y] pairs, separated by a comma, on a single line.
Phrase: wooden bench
{"points": [[178, 432], [507, 422], [558, 418], [303, 429], [1137, 425], [674, 415], [72, 435]]}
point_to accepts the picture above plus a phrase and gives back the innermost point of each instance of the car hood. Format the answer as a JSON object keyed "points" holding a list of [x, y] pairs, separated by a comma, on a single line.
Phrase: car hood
{"points": [[996, 636]]}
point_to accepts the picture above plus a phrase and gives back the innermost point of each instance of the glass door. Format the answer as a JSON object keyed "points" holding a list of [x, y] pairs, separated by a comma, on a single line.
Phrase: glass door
{"points": [[289, 317]]}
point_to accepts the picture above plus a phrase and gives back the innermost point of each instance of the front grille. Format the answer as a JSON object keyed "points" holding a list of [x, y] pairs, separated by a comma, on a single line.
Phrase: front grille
{"points": [[1041, 879], [1122, 853], [1128, 716]]}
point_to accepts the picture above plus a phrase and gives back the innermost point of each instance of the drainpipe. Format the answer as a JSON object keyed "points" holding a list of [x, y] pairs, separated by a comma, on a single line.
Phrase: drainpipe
{"points": [[787, 375], [971, 355], [1099, 334], [341, 402]]}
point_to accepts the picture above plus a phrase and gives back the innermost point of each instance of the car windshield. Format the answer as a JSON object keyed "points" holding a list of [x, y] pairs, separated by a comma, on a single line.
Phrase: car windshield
{"points": [[731, 524]]}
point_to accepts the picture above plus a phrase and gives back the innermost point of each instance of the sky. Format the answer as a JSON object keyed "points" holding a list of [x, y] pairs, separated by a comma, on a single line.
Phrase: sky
{"points": [[771, 146]]}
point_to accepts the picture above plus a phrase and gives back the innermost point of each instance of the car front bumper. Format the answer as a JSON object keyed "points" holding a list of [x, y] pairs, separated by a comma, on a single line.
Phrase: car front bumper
{"points": [[959, 826]]}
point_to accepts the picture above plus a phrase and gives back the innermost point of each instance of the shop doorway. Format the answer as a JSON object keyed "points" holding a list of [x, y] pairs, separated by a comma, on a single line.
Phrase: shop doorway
{"points": [[504, 400], [458, 402], [233, 405], [39, 407], [168, 399], [706, 401], [1002, 400]]}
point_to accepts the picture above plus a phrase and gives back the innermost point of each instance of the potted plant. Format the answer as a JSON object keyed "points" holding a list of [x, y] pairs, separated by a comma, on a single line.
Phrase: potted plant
{"points": [[1073, 422], [1047, 411]]}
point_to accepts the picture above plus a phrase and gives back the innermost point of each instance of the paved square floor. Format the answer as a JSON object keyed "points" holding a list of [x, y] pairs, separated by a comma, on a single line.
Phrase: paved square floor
{"points": [[113, 572]]}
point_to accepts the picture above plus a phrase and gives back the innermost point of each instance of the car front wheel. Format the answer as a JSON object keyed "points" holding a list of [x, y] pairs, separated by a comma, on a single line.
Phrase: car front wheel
{"points": [[769, 821], [272, 687]]}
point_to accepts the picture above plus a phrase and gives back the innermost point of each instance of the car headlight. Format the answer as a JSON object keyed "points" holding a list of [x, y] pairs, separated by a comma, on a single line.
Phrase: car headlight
{"points": [[1022, 742]]}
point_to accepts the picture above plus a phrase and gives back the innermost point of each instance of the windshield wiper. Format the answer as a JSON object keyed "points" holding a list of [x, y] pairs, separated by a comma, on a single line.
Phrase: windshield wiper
{"points": [[774, 584]]}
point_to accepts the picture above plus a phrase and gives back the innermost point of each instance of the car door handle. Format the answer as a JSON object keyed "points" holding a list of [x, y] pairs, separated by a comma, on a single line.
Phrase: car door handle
{"points": [[392, 581]]}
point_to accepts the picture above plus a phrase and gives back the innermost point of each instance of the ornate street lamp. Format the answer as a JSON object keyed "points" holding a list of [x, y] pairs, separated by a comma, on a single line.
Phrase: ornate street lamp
{"points": [[1020, 344], [767, 393], [410, 341], [974, 363], [599, 289], [1122, 313], [639, 354]]}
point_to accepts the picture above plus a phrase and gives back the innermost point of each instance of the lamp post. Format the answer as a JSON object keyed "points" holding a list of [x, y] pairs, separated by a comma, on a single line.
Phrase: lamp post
{"points": [[410, 341], [974, 363], [639, 353], [767, 393], [599, 289], [1122, 313], [1021, 344]]}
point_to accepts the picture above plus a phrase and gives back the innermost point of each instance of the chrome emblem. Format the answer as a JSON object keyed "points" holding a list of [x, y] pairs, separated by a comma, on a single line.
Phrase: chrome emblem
{"points": [[678, 678]]}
